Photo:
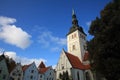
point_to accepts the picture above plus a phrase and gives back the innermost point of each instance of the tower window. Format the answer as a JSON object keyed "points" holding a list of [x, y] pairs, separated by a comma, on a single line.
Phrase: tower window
{"points": [[74, 35], [73, 47]]}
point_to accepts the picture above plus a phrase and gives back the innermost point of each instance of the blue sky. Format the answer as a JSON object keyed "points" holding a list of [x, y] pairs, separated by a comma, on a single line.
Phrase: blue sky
{"points": [[36, 29]]}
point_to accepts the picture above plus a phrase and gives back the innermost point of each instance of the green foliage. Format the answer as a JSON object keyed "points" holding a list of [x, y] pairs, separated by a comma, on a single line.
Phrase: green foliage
{"points": [[105, 46]]}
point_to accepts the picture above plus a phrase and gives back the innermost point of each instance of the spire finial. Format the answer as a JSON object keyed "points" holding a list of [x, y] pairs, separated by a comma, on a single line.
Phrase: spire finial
{"points": [[73, 12]]}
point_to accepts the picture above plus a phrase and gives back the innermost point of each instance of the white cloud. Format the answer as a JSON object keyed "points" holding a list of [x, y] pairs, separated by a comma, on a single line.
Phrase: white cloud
{"points": [[88, 23], [54, 66], [23, 60], [6, 20], [12, 34], [46, 39]]}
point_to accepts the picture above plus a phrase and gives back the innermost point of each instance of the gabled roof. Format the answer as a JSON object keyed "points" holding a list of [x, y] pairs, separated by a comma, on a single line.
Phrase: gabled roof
{"points": [[42, 65], [42, 68], [25, 67], [76, 63]]}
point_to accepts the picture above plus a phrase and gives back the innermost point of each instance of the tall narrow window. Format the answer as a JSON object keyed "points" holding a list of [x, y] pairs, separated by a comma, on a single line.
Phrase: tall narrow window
{"points": [[73, 47], [87, 76], [40, 76], [0, 71], [74, 35], [32, 71], [31, 77], [85, 47], [78, 76]]}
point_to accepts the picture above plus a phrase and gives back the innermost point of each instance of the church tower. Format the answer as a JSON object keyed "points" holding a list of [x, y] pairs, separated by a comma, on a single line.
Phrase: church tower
{"points": [[76, 39]]}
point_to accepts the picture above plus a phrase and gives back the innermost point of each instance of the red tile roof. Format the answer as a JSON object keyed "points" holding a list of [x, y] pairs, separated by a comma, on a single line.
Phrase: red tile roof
{"points": [[86, 56], [76, 63], [25, 67], [43, 70], [42, 65]]}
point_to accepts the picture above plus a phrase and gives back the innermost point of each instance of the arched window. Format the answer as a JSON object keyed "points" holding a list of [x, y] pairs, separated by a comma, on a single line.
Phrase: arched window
{"points": [[60, 76], [78, 75]]}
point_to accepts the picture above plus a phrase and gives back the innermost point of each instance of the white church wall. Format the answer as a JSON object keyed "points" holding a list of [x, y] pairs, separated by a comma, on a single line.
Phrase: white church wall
{"points": [[82, 44], [77, 74], [63, 65]]}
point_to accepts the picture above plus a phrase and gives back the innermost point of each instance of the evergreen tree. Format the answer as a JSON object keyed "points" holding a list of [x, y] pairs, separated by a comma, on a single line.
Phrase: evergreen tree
{"points": [[105, 45]]}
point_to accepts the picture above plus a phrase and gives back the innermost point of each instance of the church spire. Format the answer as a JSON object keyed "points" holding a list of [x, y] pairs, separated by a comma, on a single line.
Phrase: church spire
{"points": [[75, 25], [74, 19]]}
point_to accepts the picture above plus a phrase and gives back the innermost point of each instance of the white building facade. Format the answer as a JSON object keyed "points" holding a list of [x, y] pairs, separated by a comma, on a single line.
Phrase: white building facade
{"points": [[4, 73], [16, 73], [30, 72]]}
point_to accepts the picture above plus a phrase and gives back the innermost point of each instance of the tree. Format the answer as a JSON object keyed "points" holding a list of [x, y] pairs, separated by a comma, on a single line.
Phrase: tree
{"points": [[105, 45]]}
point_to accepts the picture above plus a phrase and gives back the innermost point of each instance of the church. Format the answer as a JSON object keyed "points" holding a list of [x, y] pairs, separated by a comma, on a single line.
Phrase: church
{"points": [[74, 64]]}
